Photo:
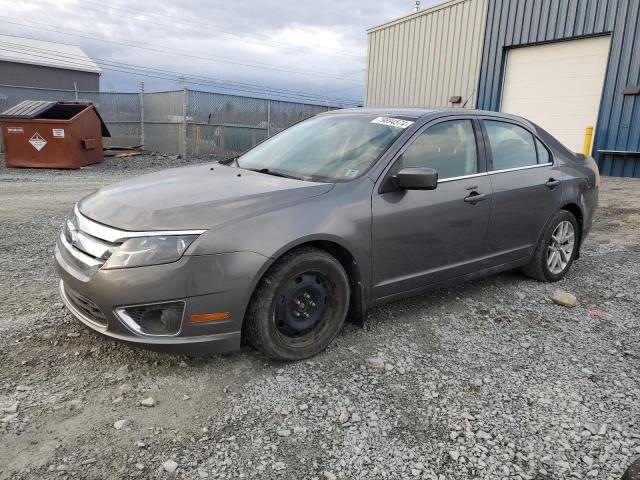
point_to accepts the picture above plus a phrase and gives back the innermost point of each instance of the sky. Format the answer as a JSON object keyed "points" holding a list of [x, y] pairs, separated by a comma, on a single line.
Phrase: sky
{"points": [[286, 48]]}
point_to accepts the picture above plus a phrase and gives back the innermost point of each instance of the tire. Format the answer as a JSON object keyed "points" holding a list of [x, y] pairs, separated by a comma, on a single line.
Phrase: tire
{"points": [[542, 266], [299, 306]]}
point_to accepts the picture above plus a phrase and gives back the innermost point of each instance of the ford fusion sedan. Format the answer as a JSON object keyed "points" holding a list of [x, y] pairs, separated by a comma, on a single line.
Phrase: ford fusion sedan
{"points": [[337, 214]]}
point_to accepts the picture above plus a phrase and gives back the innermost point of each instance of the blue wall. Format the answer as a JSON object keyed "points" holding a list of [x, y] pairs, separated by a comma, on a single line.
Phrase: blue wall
{"points": [[513, 23]]}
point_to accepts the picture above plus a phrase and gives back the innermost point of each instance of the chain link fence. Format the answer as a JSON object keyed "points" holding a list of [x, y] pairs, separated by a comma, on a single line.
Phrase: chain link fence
{"points": [[185, 122]]}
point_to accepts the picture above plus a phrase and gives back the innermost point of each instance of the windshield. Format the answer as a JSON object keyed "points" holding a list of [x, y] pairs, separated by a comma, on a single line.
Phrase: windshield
{"points": [[326, 148]]}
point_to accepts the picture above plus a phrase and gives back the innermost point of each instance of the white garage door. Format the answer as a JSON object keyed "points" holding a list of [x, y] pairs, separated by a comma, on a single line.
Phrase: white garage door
{"points": [[558, 86]]}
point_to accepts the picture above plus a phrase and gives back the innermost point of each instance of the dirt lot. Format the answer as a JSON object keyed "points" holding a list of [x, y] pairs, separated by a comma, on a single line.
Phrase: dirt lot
{"points": [[486, 380]]}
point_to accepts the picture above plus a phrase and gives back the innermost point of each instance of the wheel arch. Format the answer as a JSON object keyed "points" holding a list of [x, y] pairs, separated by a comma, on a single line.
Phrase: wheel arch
{"points": [[353, 268], [576, 211]]}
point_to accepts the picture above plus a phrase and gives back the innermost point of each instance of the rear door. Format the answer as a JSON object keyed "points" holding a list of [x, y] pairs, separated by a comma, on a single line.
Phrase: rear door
{"points": [[526, 187], [423, 237]]}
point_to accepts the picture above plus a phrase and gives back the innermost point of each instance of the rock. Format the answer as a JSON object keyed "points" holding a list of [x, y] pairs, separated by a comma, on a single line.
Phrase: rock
{"points": [[75, 404], [24, 388], [476, 383], [117, 400], [170, 466], [141, 444], [329, 476], [566, 299], [278, 466], [344, 417], [375, 362], [592, 428], [454, 455], [563, 465], [483, 435], [124, 388], [587, 460], [202, 473], [73, 334], [355, 417], [186, 397], [13, 408], [148, 402], [281, 379], [303, 407], [9, 418], [140, 466], [122, 372], [284, 432], [124, 424]]}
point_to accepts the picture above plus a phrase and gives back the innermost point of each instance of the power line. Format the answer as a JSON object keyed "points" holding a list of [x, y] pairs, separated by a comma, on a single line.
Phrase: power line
{"points": [[166, 74], [207, 26], [80, 61], [152, 48]]}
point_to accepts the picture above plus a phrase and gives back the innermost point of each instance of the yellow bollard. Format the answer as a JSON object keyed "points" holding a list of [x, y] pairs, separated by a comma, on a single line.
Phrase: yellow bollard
{"points": [[586, 148]]}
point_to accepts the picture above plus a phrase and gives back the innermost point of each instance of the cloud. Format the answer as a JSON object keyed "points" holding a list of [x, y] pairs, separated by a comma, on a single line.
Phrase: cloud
{"points": [[313, 46]]}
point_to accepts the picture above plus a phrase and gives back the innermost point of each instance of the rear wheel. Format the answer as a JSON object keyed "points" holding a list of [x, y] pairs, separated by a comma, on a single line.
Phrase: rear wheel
{"points": [[299, 306], [556, 249]]}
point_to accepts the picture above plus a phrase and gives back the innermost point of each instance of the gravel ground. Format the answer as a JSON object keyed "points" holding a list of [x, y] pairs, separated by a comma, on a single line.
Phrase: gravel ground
{"points": [[489, 379]]}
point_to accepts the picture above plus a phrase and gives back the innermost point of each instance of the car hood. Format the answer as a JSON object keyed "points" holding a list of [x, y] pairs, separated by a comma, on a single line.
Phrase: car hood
{"points": [[197, 197]]}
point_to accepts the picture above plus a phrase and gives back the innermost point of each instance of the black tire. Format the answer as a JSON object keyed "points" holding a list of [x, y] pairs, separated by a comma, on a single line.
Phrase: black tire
{"points": [[538, 267], [306, 281]]}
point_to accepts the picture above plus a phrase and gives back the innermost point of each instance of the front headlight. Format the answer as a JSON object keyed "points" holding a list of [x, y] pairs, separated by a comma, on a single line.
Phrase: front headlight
{"points": [[145, 251]]}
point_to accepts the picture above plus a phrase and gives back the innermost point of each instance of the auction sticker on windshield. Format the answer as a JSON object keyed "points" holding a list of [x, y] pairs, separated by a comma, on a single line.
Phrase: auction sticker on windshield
{"points": [[392, 122]]}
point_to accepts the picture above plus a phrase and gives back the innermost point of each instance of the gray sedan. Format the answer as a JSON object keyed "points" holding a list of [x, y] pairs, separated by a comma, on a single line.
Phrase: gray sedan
{"points": [[331, 217]]}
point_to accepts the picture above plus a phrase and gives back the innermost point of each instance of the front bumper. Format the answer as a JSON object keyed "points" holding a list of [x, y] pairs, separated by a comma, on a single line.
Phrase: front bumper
{"points": [[207, 283]]}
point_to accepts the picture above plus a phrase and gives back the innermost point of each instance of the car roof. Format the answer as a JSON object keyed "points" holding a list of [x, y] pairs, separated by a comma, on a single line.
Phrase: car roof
{"points": [[417, 113]]}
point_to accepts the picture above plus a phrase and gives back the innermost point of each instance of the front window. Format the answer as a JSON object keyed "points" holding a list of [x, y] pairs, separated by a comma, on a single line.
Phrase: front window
{"points": [[448, 147], [329, 148]]}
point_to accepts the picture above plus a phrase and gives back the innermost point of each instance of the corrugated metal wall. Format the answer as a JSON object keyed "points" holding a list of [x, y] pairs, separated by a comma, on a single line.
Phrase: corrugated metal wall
{"points": [[513, 23], [425, 58], [12, 73]]}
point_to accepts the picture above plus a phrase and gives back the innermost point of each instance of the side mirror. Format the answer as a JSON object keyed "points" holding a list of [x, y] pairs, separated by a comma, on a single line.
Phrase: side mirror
{"points": [[416, 178]]}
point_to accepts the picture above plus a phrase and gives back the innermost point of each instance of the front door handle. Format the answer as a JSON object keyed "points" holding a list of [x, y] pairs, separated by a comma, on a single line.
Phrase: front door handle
{"points": [[476, 197], [552, 183]]}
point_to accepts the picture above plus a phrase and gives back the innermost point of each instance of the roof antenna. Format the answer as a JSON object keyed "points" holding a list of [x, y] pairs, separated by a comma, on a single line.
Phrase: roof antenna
{"points": [[468, 98], [417, 5]]}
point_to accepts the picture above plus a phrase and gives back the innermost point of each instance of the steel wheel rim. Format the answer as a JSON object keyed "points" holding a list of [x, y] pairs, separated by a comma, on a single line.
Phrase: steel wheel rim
{"points": [[561, 247], [303, 307]]}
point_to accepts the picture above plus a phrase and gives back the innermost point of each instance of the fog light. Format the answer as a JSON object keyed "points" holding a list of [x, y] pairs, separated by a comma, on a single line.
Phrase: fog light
{"points": [[155, 319]]}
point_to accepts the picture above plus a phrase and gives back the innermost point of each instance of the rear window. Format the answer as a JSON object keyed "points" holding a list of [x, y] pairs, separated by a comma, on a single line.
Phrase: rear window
{"points": [[511, 145]]}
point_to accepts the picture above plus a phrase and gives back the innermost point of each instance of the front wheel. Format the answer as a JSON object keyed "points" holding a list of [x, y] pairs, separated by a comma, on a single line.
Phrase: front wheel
{"points": [[556, 248], [299, 306]]}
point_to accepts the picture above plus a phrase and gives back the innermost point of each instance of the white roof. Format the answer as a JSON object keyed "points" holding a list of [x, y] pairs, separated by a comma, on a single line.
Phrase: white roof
{"points": [[48, 54]]}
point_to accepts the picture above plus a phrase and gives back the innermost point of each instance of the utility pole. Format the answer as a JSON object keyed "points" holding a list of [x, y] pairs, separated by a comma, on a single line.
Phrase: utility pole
{"points": [[183, 142], [142, 139], [268, 114]]}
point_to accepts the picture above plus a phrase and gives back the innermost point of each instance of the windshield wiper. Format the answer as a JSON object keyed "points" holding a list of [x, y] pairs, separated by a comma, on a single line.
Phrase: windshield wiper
{"points": [[229, 160], [275, 173]]}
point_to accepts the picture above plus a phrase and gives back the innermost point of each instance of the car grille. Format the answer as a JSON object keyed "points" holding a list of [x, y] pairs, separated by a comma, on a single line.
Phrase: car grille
{"points": [[84, 235], [86, 307]]}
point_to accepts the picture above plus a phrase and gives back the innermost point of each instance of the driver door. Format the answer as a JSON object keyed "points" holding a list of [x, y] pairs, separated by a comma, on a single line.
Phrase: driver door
{"points": [[423, 237]]}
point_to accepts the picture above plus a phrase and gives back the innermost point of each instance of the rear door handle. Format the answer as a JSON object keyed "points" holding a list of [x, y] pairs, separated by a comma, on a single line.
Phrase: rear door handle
{"points": [[552, 183], [476, 197]]}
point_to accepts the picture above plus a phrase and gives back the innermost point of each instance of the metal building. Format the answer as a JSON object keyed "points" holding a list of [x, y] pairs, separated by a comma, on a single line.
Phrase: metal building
{"points": [[427, 57], [36, 63], [565, 64]]}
